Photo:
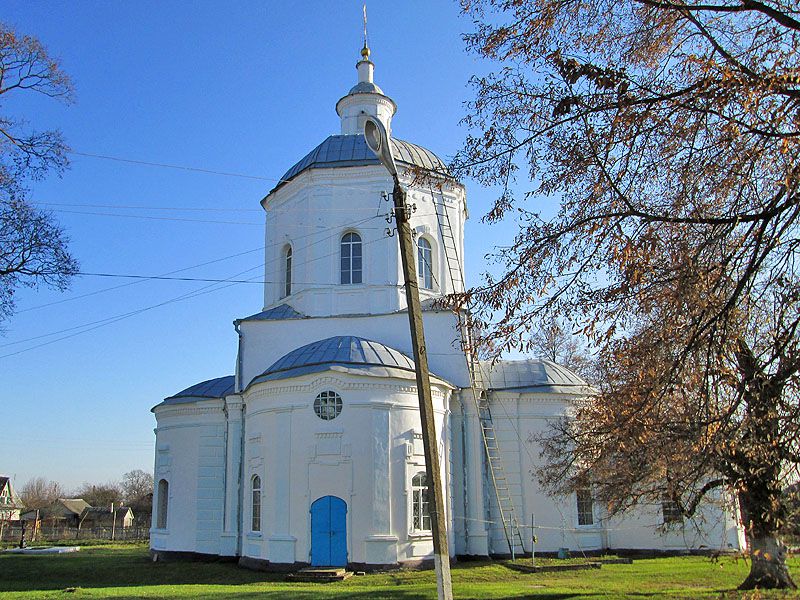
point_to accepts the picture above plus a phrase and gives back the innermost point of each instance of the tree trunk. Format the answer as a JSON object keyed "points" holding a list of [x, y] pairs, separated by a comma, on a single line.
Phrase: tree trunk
{"points": [[768, 568]]}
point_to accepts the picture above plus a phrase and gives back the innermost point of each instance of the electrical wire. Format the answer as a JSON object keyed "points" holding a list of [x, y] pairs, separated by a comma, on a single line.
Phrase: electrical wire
{"points": [[276, 181], [199, 209], [154, 218], [86, 327], [116, 287], [169, 166]]}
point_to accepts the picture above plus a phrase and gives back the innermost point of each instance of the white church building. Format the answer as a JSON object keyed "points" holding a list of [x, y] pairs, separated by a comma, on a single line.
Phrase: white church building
{"points": [[311, 452]]}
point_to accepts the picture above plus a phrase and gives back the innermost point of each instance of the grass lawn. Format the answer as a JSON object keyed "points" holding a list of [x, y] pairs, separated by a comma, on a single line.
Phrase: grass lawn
{"points": [[125, 571]]}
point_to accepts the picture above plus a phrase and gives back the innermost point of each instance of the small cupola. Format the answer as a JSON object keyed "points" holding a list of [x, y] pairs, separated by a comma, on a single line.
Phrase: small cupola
{"points": [[364, 98]]}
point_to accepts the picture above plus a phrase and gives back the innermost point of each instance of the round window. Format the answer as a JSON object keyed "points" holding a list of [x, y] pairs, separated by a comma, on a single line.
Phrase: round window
{"points": [[328, 405]]}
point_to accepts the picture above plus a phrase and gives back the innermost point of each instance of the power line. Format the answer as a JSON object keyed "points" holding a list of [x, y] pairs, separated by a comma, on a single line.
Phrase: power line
{"points": [[199, 208], [146, 207], [169, 166], [141, 280], [109, 320], [274, 180], [163, 278], [154, 218], [86, 327], [116, 287]]}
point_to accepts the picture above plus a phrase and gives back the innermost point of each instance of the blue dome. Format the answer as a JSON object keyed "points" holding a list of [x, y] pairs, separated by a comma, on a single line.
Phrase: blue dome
{"points": [[213, 388], [352, 151], [345, 353], [533, 375]]}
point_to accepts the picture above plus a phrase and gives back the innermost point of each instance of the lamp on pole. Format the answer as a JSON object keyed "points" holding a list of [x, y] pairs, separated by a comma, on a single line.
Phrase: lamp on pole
{"points": [[379, 141]]}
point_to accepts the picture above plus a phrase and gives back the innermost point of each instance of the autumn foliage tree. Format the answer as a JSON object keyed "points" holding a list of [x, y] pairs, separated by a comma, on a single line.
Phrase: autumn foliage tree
{"points": [[33, 248], [669, 133]]}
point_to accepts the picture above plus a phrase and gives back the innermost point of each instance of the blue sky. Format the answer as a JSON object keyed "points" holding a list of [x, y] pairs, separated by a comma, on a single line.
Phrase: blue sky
{"points": [[243, 88]]}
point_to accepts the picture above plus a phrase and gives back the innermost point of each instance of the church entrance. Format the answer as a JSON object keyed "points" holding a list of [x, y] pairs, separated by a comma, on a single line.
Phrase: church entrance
{"points": [[329, 532]]}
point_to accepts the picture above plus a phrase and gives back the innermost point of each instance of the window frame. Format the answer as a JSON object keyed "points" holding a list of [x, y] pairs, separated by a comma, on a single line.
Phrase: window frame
{"points": [[420, 504], [322, 405], [670, 512], [425, 278], [255, 503], [350, 245], [162, 507], [288, 254], [584, 506]]}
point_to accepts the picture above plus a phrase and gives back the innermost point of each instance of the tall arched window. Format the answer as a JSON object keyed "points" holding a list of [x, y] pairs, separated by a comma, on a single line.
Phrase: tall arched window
{"points": [[425, 264], [255, 485], [163, 504], [350, 267], [585, 506], [287, 271], [420, 511]]}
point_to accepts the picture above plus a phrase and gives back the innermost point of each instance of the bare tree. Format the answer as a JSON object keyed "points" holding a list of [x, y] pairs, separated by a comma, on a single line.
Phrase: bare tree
{"points": [[555, 342], [39, 492], [33, 248], [100, 494], [668, 131], [137, 493]]}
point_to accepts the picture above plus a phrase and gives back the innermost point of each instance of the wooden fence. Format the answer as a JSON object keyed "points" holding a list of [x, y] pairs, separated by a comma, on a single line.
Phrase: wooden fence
{"points": [[57, 533]]}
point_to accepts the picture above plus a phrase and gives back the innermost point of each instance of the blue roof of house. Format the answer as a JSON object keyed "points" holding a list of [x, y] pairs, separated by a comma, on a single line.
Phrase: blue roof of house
{"points": [[352, 151], [348, 353]]}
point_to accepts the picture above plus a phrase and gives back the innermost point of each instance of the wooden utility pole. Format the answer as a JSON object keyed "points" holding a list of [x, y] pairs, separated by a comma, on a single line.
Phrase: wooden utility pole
{"points": [[379, 142], [429, 442]]}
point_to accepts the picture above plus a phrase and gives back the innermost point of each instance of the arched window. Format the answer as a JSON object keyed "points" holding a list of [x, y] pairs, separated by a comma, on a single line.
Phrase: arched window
{"points": [[585, 506], [255, 485], [420, 511], [287, 271], [163, 503], [350, 267], [328, 405], [425, 264]]}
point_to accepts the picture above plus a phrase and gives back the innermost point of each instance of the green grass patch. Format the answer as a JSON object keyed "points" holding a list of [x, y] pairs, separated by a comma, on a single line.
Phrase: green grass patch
{"points": [[126, 572]]}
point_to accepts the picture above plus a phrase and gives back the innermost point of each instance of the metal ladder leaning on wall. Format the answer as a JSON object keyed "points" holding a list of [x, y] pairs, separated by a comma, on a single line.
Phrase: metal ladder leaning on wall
{"points": [[478, 385]]}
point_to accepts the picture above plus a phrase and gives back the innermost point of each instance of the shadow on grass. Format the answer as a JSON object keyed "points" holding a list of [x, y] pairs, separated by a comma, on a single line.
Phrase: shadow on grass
{"points": [[118, 567], [94, 569], [328, 592]]}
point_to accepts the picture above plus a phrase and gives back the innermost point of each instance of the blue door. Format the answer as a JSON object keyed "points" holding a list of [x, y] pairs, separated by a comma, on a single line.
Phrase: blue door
{"points": [[329, 532]]}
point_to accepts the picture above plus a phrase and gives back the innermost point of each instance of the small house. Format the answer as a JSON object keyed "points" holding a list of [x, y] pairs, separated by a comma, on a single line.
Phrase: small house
{"points": [[106, 516], [64, 511], [10, 504]]}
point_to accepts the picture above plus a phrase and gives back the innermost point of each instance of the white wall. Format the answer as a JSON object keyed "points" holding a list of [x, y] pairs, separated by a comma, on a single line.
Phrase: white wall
{"points": [[316, 209], [366, 456], [518, 418], [190, 455]]}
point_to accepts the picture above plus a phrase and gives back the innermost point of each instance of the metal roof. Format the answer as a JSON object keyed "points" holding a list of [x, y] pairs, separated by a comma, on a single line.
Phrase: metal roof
{"points": [[533, 375], [278, 313], [213, 388], [365, 87], [75, 505], [352, 151], [343, 353]]}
